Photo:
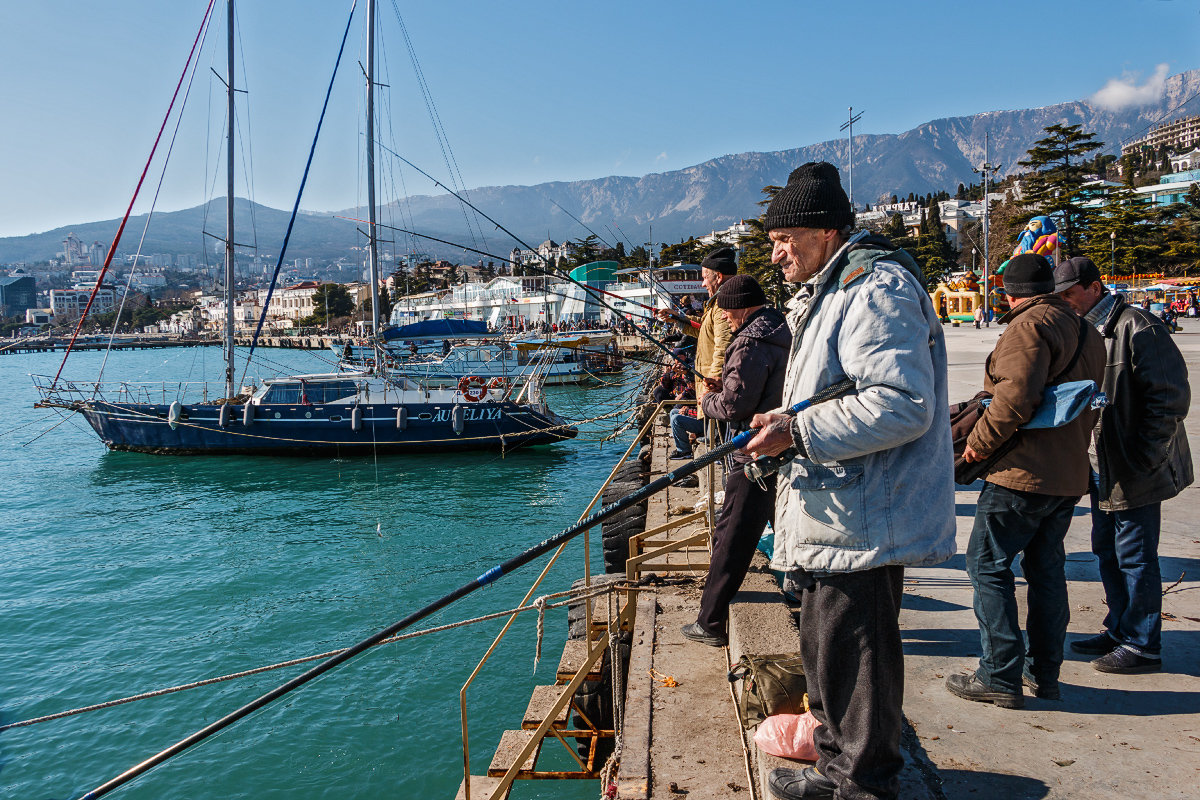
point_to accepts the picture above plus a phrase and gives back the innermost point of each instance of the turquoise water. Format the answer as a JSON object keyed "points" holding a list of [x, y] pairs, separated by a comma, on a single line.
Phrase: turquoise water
{"points": [[124, 573]]}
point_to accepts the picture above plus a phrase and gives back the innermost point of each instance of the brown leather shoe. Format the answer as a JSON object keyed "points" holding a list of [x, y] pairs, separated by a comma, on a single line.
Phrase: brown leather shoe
{"points": [[969, 687]]}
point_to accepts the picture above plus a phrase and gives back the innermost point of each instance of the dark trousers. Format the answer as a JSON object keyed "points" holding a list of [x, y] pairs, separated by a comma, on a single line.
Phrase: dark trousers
{"points": [[1126, 542], [1009, 523], [743, 516], [851, 649]]}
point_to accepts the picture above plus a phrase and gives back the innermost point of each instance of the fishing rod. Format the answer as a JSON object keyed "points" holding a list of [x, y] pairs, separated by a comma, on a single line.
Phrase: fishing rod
{"points": [[491, 576], [547, 273], [577, 219], [521, 242]]}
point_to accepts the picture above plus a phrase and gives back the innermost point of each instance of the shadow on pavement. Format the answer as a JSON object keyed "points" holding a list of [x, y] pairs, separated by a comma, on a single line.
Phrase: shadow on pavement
{"points": [[944, 642], [958, 783]]}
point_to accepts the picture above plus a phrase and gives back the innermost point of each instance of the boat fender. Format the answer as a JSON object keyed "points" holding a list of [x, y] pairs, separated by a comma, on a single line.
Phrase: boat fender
{"points": [[174, 413], [248, 414], [356, 419], [458, 419], [223, 416], [402, 418]]}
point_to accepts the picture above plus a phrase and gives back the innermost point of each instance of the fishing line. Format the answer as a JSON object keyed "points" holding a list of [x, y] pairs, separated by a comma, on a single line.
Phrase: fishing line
{"points": [[551, 274]]}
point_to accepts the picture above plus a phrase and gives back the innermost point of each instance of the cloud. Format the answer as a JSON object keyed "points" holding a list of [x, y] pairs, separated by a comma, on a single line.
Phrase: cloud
{"points": [[661, 156], [1124, 92]]}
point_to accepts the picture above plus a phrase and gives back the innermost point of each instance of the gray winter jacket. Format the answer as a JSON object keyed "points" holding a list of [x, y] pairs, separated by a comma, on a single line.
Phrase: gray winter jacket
{"points": [[876, 487]]}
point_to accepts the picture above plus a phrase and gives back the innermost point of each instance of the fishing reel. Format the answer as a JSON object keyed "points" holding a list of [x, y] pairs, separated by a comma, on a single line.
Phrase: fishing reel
{"points": [[765, 466]]}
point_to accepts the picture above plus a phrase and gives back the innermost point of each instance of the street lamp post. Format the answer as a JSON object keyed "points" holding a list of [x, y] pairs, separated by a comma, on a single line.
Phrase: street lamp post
{"points": [[1112, 237]]}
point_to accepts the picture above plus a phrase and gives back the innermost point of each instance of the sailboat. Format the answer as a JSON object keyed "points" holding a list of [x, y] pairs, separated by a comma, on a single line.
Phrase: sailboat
{"points": [[333, 414]]}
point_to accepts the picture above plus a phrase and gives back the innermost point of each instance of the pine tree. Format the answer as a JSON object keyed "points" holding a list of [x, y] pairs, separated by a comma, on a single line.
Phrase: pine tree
{"points": [[1055, 186]]}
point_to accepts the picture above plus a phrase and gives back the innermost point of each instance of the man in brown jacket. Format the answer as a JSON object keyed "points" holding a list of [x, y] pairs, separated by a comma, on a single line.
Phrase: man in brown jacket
{"points": [[1029, 495]]}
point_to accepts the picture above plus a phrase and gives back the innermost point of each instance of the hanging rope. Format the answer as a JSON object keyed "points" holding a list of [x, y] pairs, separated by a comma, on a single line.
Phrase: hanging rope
{"points": [[540, 605], [116, 239], [300, 194]]}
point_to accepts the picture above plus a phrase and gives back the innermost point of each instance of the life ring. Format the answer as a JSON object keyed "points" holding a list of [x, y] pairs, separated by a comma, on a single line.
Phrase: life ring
{"points": [[473, 388], [499, 382]]}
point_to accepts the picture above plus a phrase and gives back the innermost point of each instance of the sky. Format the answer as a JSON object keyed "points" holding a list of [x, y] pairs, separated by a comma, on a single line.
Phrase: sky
{"points": [[526, 91]]}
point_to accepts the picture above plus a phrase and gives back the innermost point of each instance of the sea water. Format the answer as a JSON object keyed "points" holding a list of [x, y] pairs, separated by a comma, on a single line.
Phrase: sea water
{"points": [[122, 573]]}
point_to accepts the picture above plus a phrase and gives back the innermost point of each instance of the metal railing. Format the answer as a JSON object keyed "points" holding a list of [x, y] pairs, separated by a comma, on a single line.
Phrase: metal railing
{"points": [[595, 651]]}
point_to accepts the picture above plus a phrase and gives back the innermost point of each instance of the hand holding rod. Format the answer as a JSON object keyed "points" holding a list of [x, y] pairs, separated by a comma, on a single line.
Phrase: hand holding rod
{"points": [[492, 575]]}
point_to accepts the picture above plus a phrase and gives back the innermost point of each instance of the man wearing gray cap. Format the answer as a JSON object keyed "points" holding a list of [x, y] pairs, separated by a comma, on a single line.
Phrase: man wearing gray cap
{"points": [[1139, 458], [870, 490]]}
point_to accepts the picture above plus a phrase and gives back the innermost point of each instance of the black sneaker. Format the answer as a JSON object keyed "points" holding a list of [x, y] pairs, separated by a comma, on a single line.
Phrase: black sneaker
{"points": [[969, 687], [1124, 661], [679, 454], [1047, 690], [696, 633], [799, 784], [1099, 645]]}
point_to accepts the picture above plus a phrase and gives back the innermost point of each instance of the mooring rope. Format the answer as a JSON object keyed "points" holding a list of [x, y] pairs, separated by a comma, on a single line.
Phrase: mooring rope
{"points": [[540, 605]]}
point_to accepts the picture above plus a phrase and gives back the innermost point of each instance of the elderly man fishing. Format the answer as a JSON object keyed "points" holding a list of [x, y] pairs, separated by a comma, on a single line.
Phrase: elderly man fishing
{"points": [[870, 489]]}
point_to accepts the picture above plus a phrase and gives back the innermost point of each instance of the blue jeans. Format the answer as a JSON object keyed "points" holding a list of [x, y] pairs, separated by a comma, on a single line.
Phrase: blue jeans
{"points": [[681, 426], [1126, 542], [1009, 523]]}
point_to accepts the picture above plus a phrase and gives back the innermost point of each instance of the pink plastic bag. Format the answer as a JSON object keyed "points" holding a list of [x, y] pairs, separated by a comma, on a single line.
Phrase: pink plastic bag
{"points": [[788, 736]]}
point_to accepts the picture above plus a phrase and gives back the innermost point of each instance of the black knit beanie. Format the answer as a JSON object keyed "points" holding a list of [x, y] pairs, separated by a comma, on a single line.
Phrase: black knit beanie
{"points": [[813, 198], [1028, 274], [740, 291], [723, 261]]}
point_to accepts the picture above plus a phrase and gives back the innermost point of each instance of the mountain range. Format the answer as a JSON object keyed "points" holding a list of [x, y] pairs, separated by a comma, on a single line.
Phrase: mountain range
{"points": [[935, 156]]}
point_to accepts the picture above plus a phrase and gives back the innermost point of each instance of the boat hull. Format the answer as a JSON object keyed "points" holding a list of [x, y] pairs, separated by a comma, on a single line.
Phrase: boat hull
{"points": [[324, 430]]}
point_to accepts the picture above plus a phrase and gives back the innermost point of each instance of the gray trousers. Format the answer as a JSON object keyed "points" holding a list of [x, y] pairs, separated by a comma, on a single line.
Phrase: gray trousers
{"points": [[854, 662]]}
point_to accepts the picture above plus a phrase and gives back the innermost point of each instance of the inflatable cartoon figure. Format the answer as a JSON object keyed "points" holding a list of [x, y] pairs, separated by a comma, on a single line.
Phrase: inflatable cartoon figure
{"points": [[1040, 236]]}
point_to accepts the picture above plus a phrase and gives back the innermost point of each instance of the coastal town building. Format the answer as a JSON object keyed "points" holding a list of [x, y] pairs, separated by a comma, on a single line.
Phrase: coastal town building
{"points": [[67, 304], [731, 235], [1178, 136], [17, 294]]}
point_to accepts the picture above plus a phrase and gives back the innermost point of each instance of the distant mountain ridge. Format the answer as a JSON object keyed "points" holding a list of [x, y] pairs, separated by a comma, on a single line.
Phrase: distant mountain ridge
{"points": [[935, 156]]}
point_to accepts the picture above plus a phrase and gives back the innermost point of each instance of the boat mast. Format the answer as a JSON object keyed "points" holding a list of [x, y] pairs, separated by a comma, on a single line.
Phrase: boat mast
{"points": [[229, 288], [373, 248]]}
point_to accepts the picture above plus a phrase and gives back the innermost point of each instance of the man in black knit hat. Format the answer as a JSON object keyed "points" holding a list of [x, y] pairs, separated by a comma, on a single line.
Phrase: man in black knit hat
{"points": [[751, 382], [870, 489]]}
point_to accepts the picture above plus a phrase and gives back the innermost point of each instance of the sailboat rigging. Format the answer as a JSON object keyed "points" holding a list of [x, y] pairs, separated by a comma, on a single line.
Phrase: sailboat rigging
{"points": [[364, 412]]}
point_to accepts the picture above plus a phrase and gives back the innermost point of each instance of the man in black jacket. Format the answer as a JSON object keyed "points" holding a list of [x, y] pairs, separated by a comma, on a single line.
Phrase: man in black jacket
{"points": [[751, 383], [1140, 457]]}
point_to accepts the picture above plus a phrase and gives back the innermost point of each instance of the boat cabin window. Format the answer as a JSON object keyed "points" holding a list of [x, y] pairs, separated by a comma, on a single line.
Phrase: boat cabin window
{"points": [[316, 393]]}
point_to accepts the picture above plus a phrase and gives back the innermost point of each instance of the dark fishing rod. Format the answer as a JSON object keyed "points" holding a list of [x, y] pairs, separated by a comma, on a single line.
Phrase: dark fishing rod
{"points": [[577, 219], [520, 241], [491, 576]]}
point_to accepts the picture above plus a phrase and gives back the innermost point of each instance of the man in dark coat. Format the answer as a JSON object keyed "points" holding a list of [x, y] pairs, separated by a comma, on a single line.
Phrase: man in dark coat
{"points": [[1139, 457], [751, 382]]}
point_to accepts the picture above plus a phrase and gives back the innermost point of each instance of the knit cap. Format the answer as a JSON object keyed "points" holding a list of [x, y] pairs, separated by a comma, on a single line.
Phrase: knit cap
{"points": [[740, 291], [723, 261], [813, 198], [1028, 274]]}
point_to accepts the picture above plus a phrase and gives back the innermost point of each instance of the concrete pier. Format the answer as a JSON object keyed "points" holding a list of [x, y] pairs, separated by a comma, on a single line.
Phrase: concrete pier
{"points": [[1110, 737]]}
